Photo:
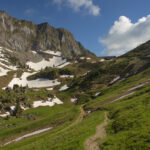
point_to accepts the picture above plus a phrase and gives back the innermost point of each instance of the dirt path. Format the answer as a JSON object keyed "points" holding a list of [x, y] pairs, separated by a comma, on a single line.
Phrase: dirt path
{"points": [[81, 116], [78, 120], [91, 143]]}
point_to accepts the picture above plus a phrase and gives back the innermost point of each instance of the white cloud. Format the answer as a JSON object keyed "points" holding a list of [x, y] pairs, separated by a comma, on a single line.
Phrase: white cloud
{"points": [[30, 12], [77, 5], [125, 35]]}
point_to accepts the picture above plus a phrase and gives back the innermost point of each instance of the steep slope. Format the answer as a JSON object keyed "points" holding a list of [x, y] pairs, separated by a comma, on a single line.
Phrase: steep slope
{"points": [[43, 89], [117, 69], [24, 36]]}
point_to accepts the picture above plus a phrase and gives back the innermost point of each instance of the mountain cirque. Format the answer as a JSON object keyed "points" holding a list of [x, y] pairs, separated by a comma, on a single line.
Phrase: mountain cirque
{"points": [[21, 35]]}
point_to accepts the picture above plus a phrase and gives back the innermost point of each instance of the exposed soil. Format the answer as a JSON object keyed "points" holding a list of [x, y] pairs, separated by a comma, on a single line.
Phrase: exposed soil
{"points": [[91, 143]]}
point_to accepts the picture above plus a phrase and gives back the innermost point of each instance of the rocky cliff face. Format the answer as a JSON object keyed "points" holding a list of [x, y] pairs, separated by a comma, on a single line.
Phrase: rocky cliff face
{"points": [[21, 35]]}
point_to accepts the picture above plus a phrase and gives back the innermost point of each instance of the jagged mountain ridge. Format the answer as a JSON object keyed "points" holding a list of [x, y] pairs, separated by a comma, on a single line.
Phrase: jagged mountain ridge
{"points": [[24, 35]]}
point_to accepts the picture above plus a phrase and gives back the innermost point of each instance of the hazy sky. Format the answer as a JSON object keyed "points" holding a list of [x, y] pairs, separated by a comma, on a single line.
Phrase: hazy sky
{"points": [[105, 27]]}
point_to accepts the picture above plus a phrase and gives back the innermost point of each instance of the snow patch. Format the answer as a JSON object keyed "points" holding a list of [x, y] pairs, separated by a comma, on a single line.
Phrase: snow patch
{"points": [[73, 100], [52, 62], [122, 97], [24, 108], [57, 53], [12, 108], [29, 134], [63, 88], [115, 79], [34, 52], [102, 60], [63, 65], [86, 73], [3, 72], [67, 76], [88, 58], [49, 89], [50, 102], [38, 83], [82, 58], [97, 94], [138, 86], [5, 114]]}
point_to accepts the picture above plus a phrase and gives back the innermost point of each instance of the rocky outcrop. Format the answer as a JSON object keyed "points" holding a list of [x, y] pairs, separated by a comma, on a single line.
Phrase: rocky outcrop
{"points": [[23, 35]]}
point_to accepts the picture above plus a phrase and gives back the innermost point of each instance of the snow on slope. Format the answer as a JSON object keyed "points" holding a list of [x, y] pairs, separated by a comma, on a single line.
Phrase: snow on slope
{"points": [[5, 114], [57, 53], [8, 66], [115, 79], [28, 135], [73, 100], [52, 62], [66, 76], [63, 88], [63, 65], [50, 102], [38, 83], [4, 69]]}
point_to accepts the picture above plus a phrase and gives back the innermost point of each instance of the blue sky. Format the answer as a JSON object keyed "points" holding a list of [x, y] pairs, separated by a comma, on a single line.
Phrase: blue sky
{"points": [[91, 22]]}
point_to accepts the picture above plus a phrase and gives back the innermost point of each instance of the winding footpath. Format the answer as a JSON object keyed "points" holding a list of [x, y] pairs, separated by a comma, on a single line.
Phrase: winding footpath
{"points": [[91, 143]]}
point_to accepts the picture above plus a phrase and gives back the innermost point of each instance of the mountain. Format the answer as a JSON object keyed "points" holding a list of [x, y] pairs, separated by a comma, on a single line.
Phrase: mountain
{"points": [[114, 70], [59, 96], [24, 36]]}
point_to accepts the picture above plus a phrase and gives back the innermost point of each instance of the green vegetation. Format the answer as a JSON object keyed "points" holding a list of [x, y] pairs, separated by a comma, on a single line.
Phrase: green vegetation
{"points": [[116, 90], [34, 119], [129, 123], [4, 80], [61, 138], [50, 73], [129, 117]]}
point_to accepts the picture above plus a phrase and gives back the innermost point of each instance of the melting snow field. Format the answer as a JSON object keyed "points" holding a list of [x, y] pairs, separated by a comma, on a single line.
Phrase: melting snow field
{"points": [[123, 97], [65, 87], [73, 100], [29, 134], [67, 76], [8, 66], [115, 79], [49, 89], [102, 60], [38, 83], [53, 62], [50, 102], [138, 86], [64, 64], [57, 53], [5, 114], [4, 69]]}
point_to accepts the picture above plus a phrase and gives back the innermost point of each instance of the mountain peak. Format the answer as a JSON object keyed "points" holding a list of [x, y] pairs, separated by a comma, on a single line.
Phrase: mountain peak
{"points": [[24, 35], [2, 12]]}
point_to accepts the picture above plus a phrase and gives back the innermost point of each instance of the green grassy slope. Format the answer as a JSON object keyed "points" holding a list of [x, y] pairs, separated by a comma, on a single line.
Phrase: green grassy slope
{"points": [[129, 118], [129, 123], [34, 119], [61, 139]]}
